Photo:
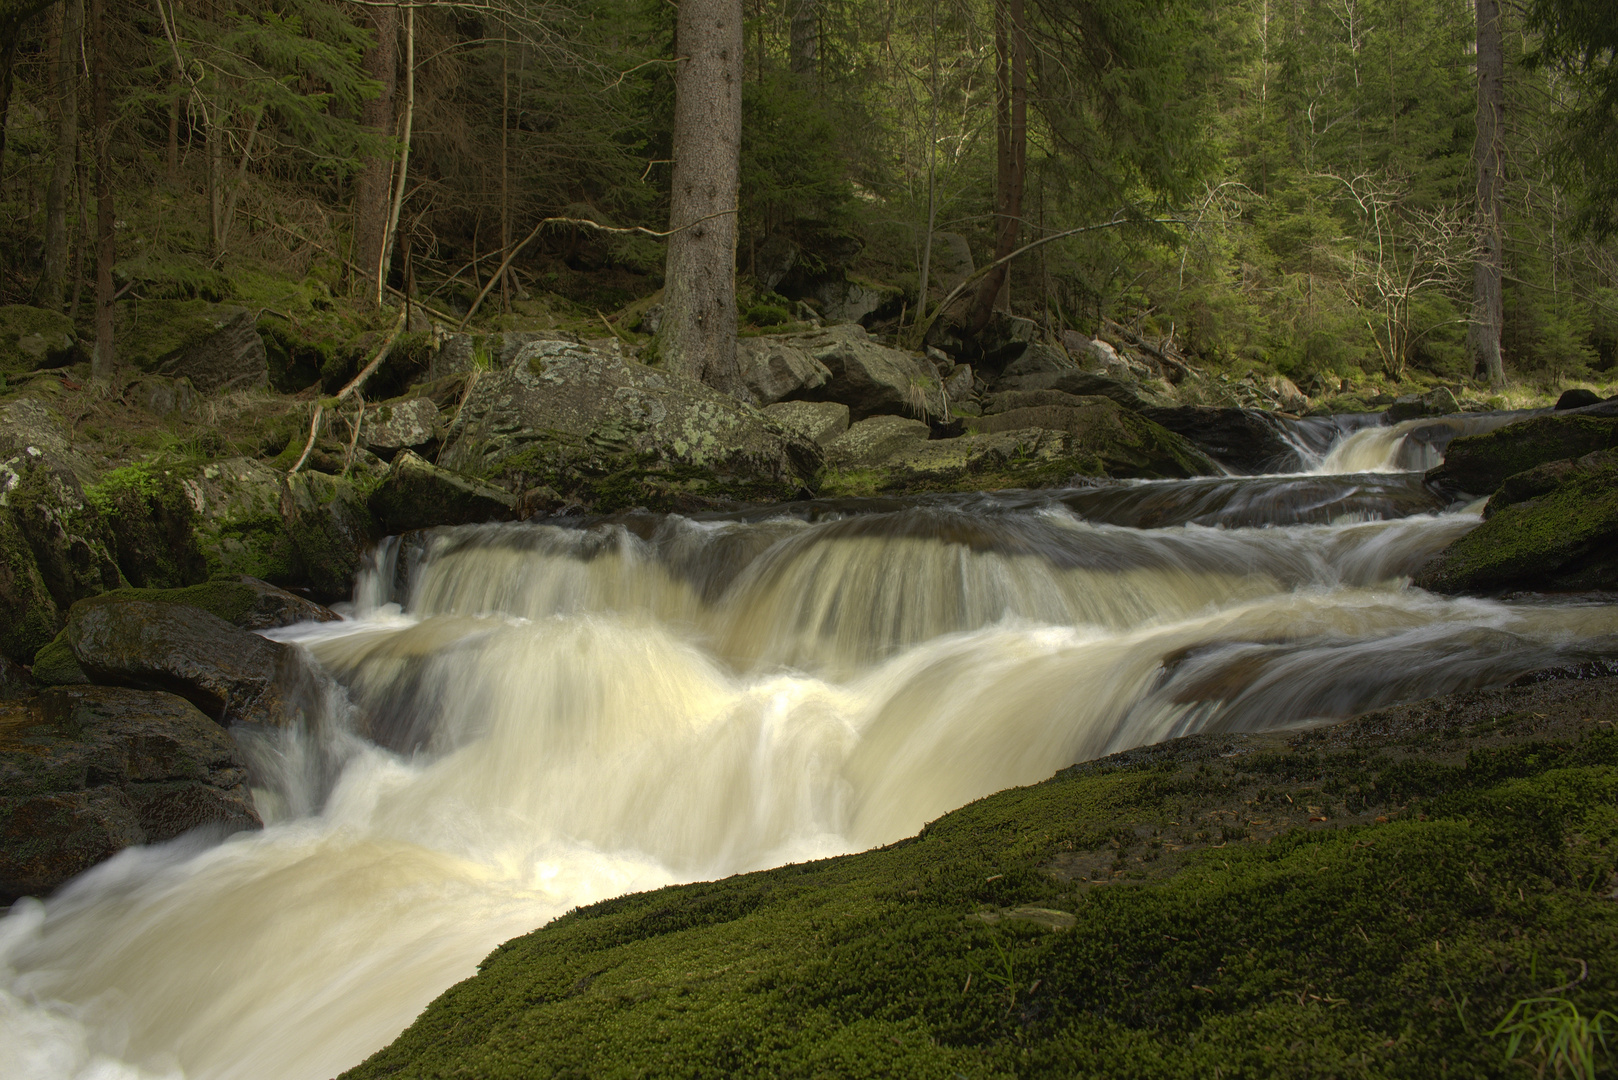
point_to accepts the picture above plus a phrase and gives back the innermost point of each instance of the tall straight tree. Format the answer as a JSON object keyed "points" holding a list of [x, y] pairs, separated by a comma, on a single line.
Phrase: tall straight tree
{"points": [[104, 361], [1488, 271], [373, 195], [698, 333], [65, 167], [1011, 154]]}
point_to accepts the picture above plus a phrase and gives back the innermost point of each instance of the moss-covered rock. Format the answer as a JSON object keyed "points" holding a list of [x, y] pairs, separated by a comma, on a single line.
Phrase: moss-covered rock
{"points": [[419, 495], [1477, 464], [88, 771], [611, 434], [1127, 444], [32, 338], [55, 664], [331, 529], [1552, 527], [238, 525], [151, 522], [1365, 899], [215, 346], [29, 616], [244, 602]]}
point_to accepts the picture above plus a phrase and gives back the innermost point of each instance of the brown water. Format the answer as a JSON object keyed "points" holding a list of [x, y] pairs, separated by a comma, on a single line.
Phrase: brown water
{"points": [[525, 718]]}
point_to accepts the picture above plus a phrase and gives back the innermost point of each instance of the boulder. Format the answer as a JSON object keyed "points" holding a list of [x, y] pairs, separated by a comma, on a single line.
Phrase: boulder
{"points": [[610, 433], [854, 300], [411, 424], [462, 354], [216, 346], [869, 443], [869, 378], [1553, 527], [150, 520], [162, 395], [1020, 458], [1478, 464], [238, 524], [88, 771], [1248, 440], [13, 681], [1439, 402], [1124, 443], [817, 422], [231, 674], [1125, 391], [1285, 393], [418, 495], [32, 338], [776, 368], [245, 602], [1577, 398], [331, 530], [55, 664]]}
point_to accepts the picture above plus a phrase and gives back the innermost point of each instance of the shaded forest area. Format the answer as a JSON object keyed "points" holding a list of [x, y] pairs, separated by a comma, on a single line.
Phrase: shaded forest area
{"points": [[1315, 188]]}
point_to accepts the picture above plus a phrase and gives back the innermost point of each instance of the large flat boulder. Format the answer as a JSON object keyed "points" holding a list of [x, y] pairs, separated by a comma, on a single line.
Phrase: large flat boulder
{"points": [[775, 368], [610, 433], [1478, 464], [418, 495], [1248, 440], [817, 422], [231, 674], [869, 378], [1553, 527], [1124, 443], [88, 771]]}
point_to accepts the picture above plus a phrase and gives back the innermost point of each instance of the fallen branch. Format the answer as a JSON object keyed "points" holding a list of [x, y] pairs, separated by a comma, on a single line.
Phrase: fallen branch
{"points": [[353, 387]]}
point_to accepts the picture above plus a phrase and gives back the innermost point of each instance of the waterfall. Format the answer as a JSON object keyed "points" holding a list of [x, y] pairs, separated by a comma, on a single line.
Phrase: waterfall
{"points": [[536, 716]]}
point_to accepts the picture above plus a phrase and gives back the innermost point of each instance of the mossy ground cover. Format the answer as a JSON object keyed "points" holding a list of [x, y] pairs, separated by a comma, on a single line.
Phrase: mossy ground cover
{"points": [[1367, 899]]}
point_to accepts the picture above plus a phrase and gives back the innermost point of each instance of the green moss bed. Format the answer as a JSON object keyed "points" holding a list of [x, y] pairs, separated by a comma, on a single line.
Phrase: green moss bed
{"points": [[1360, 900]]}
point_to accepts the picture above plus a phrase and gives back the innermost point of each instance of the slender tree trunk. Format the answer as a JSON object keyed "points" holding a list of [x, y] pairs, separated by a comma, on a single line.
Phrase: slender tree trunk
{"points": [[505, 172], [60, 192], [1011, 154], [1488, 304], [104, 361], [371, 193], [10, 32], [805, 43], [925, 270], [404, 153], [698, 334]]}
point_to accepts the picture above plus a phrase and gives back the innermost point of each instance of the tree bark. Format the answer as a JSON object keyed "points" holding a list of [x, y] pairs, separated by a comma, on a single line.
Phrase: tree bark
{"points": [[805, 43], [404, 154], [10, 32], [372, 194], [1488, 313], [60, 192], [104, 361], [698, 333], [1011, 154]]}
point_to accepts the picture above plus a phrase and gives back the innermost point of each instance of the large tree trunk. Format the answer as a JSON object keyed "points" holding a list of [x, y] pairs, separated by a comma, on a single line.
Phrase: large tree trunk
{"points": [[698, 333], [805, 38], [1487, 299], [104, 361], [60, 192], [373, 194], [1011, 153]]}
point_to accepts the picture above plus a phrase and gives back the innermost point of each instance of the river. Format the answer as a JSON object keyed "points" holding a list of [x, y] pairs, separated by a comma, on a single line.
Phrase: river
{"points": [[525, 718]]}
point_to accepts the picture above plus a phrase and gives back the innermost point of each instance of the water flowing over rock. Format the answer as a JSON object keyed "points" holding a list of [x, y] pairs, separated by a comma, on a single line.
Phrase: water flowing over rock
{"points": [[230, 674], [614, 433], [88, 771]]}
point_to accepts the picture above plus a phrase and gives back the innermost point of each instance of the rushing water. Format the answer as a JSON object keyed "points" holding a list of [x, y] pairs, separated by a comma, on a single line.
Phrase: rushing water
{"points": [[529, 717]]}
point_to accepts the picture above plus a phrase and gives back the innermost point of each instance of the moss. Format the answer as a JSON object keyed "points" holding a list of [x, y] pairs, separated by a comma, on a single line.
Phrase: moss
{"points": [[29, 616], [609, 483], [1478, 464], [1364, 900], [151, 522], [33, 338], [231, 600], [55, 664]]}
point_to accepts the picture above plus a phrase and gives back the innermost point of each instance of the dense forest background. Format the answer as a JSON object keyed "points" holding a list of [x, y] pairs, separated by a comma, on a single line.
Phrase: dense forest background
{"points": [[1288, 185]]}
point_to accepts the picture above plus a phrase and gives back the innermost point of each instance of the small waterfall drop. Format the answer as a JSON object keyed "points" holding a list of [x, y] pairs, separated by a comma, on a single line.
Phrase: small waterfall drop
{"points": [[536, 716]]}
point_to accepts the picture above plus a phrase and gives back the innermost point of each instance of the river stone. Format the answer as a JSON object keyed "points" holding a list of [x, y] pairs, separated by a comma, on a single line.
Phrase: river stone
{"points": [[238, 522], [1553, 527], [1577, 398], [774, 369], [418, 495], [1248, 440], [331, 529], [1020, 458], [611, 433], [869, 443], [869, 378], [411, 424], [1125, 443], [817, 422], [243, 601], [216, 346], [88, 771], [232, 675], [1125, 391], [1478, 464], [32, 338]]}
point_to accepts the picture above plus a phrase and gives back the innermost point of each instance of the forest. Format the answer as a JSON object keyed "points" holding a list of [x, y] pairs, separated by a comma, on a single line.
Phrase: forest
{"points": [[1349, 193]]}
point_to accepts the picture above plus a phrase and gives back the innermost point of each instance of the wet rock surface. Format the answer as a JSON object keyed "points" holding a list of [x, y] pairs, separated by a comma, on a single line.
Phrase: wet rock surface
{"points": [[1246, 440], [232, 675], [419, 495], [1478, 464], [88, 771], [1122, 443]]}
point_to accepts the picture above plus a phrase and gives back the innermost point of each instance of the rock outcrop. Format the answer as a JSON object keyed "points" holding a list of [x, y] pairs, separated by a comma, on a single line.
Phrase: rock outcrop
{"points": [[32, 338], [410, 424], [88, 771], [1552, 527], [331, 529], [1121, 443], [817, 422], [419, 495], [870, 378], [216, 346], [1478, 464], [611, 434], [1247, 440]]}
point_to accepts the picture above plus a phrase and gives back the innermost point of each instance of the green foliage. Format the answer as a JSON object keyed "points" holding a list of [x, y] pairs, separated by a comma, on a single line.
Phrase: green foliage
{"points": [[1580, 38], [1561, 1037]]}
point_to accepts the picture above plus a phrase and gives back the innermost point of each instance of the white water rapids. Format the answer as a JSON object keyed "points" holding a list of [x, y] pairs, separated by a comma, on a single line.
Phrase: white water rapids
{"points": [[530, 717]]}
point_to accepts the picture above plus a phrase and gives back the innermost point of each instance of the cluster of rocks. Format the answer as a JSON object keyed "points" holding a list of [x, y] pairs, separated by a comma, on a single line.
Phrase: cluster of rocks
{"points": [[125, 733]]}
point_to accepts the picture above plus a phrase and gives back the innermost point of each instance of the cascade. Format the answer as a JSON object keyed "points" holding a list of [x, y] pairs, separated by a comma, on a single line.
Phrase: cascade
{"points": [[529, 717]]}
